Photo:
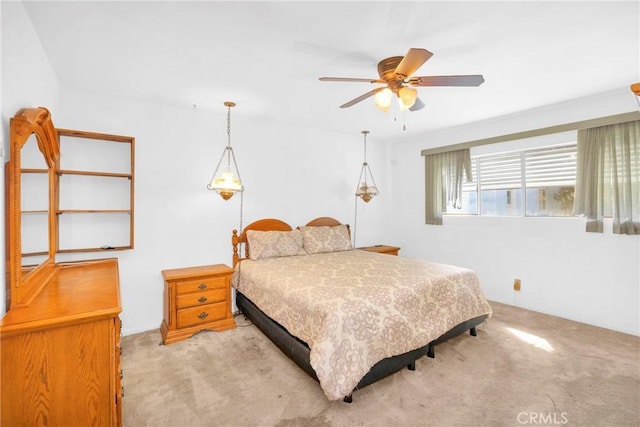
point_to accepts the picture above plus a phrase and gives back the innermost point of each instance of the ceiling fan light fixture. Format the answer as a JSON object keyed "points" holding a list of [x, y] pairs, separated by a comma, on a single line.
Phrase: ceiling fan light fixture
{"points": [[407, 97], [396, 71], [383, 99]]}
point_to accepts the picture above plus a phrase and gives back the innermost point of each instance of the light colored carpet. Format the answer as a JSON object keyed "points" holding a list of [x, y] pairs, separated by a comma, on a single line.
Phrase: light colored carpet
{"points": [[523, 368]]}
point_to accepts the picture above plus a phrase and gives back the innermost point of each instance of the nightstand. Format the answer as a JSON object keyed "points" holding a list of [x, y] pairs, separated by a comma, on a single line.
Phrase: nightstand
{"points": [[195, 299], [383, 249]]}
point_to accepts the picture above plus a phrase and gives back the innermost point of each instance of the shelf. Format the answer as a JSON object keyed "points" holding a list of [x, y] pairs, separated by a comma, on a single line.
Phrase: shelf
{"points": [[94, 179], [43, 211], [114, 248], [63, 211], [93, 173], [94, 135], [35, 253]]}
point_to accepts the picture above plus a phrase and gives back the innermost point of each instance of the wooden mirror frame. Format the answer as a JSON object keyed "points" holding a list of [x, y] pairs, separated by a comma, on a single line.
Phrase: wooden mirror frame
{"points": [[24, 284]]}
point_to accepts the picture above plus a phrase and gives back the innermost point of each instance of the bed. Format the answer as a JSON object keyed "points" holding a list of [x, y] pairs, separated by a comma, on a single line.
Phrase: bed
{"points": [[348, 317]]}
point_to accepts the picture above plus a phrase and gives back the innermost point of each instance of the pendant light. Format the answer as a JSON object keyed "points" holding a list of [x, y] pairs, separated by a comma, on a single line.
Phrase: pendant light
{"points": [[366, 189], [226, 178]]}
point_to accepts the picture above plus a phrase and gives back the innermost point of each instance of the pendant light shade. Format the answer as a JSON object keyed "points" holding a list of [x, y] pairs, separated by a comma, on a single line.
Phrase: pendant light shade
{"points": [[226, 178], [226, 184], [367, 188]]}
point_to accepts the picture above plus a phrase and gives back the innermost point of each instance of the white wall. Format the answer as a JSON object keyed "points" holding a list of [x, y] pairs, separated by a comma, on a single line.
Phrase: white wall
{"points": [[289, 173], [592, 278], [27, 81]]}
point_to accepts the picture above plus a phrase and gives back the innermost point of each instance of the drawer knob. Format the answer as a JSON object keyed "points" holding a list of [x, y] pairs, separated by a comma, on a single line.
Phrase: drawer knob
{"points": [[203, 315], [203, 286], [202, 300]]}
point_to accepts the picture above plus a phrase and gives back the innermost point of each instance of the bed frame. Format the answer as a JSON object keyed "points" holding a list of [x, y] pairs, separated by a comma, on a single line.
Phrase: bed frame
{"points": [[297, 350]]}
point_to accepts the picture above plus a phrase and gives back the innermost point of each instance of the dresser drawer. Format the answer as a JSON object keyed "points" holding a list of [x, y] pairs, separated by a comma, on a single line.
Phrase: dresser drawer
{"points": [[201, 298], [203, 284], [206, 313]]}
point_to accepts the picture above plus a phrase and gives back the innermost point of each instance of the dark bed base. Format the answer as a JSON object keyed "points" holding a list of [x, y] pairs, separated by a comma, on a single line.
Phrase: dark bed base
{"points": [[299, 352]]}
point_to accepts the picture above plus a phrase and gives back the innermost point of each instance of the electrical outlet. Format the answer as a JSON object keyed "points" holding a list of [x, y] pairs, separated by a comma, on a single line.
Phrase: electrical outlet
{"points": [[516, 284]]}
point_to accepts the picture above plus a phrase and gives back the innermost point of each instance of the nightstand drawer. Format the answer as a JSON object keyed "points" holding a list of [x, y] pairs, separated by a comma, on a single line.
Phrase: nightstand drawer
{"points": [[203, 284], [196, 315], [201, 298]]}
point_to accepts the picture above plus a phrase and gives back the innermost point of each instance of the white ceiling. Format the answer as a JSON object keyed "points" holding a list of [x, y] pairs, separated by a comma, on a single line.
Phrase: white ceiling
{"points": [[267, 55]]}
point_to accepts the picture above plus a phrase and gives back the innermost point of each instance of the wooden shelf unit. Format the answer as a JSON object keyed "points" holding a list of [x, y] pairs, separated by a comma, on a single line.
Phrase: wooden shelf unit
{"points": [[127, 226]]}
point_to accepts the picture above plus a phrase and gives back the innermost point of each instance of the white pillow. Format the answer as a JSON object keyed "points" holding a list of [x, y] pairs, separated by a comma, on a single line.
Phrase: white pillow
{"points": [[326, 239], [273, 244]]}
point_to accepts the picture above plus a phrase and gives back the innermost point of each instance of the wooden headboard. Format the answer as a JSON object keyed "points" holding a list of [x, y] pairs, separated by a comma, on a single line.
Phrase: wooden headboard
{"points": [[270, 224], [324, 221], [267, 224]]}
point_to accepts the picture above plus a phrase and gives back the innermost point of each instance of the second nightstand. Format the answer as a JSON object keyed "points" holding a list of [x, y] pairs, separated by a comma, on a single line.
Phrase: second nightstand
{"points": [[383, 249], [196, 298]]}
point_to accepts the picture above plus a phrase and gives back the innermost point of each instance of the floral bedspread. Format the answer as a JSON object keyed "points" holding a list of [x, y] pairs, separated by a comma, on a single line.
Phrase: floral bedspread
{"points": [[355, 308]]}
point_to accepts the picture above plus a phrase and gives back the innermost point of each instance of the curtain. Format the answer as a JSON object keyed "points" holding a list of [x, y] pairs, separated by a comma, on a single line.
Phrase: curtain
{"points": [[608, 177], [444, 173]]}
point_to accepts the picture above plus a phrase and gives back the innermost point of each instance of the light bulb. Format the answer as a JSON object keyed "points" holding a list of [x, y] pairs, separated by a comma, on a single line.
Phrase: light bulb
{"points": [[383, 99], [407, 97]]}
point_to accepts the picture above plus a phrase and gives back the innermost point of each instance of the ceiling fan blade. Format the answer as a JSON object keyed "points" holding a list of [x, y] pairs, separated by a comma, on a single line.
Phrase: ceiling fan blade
{"points": [[419, 105], [470, 80], [349, 79], [361, 98], [413, 60]]}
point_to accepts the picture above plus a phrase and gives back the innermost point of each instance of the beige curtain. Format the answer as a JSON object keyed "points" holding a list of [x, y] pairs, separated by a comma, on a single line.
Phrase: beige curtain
{"points": [[608, 175], [444, 174]]}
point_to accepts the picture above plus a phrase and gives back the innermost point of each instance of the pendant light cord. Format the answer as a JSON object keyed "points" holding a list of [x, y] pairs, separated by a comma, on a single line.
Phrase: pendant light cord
{"points": [[229, 126], [355, 221]]}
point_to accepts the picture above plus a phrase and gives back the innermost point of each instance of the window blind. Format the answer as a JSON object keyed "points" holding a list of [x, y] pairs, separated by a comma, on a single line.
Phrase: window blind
{"points": [[551, 167], [500, 172]]}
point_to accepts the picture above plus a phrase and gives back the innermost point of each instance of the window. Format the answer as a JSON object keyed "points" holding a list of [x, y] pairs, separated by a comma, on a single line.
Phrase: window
{"points": [[535, 182], [500, 184], [550, 175]]}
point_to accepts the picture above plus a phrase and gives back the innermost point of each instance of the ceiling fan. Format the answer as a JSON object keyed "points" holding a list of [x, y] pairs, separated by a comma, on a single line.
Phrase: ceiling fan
{"points": [[396, 74]]}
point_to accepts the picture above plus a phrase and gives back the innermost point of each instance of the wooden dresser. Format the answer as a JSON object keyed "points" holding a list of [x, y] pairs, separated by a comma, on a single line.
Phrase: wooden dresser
{"points": [[196, 298], [383, 249], [60, 337], [60, 355]]}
